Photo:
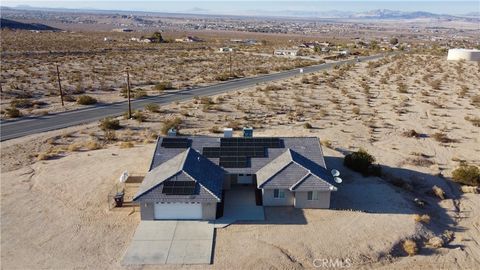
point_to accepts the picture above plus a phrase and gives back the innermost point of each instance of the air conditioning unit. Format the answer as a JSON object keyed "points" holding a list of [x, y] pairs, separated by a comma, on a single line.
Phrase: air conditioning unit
{"points": [[247, 132], [172, 132], [227, 132]]}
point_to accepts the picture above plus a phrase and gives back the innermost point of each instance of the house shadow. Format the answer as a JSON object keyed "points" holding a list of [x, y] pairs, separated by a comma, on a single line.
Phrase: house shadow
{"points": [[397, 192]]}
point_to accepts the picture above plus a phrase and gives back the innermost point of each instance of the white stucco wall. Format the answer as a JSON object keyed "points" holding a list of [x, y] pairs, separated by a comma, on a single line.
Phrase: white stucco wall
{"points": [[463, 54]]}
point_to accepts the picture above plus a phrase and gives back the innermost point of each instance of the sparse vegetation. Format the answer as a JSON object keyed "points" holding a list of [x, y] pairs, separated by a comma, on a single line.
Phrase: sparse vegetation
{"points": [[362, 162], [86, 100], [467, 175], [110, 124], [410, 247], [171, 123], [152, 107], [422, 218]]}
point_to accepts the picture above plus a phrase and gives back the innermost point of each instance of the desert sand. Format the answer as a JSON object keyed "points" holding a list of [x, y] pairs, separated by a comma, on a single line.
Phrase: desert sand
{"points": [[55, 215]]}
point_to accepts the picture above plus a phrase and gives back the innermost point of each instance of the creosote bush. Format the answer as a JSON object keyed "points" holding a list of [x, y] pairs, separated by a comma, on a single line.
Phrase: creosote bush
{"points": [[362, 162], [171, 123], [110, 124], [152, 107], [467, 175], [86, 100]]}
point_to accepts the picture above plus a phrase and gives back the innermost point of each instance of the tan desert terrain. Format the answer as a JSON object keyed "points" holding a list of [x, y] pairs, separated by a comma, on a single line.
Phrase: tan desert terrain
{"points": [[54, 208]]}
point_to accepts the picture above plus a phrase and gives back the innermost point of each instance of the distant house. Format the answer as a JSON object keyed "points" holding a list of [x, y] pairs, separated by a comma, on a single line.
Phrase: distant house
{"points": [[225, 49], [125, 30], [282, 52], [189, 39], [244, 41], [188, 176], [308, 45]]}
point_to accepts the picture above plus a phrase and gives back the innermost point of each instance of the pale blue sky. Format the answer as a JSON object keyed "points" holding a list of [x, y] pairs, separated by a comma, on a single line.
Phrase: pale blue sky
{"points": [[244, 7]]}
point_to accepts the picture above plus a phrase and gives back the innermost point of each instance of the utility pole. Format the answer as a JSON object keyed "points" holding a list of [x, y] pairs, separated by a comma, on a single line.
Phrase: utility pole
{"points": [[60, 86], [230, 62], [128, 94]]}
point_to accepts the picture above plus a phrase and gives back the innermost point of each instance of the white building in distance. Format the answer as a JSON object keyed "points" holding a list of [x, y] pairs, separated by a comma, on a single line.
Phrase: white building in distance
{"points": [[463, 54]]}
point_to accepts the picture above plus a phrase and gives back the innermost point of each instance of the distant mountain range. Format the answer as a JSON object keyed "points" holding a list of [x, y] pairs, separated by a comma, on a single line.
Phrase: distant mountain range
{"points": [[378, 14], [10, 24]]}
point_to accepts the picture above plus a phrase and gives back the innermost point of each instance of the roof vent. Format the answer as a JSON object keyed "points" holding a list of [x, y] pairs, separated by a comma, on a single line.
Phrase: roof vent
{"points": [[172, 132], [227, 132], [247, 132]]}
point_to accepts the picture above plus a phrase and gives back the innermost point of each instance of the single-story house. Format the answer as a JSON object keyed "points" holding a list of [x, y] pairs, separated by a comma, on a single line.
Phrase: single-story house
{"points": [[188, 175], [189, 39], [291, 52]]}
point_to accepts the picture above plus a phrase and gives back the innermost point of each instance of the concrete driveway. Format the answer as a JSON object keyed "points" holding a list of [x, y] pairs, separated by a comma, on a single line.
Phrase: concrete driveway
{"points": [[171, 242]]}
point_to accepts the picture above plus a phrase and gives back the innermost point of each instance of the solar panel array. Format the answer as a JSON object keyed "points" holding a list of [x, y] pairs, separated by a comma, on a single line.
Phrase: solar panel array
{"points": [[175, 143], [178, 187], [234, 152]]}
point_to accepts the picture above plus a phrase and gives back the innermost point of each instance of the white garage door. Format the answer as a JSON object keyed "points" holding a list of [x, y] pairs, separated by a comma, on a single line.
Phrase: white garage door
{"points": [[178, 211]]}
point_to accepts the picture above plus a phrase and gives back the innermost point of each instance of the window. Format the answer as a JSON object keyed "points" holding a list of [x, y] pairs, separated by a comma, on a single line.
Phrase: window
{"points": [[312, 195], [278, 194]]}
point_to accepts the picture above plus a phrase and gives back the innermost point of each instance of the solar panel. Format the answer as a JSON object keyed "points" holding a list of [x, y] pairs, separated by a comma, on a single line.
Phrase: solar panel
{"points": [[233, 162], [234, 152], [178, 187], [175, 143]]}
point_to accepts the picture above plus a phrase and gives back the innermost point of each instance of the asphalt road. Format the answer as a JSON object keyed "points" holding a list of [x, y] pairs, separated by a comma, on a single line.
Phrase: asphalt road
{"points": [[31, 125]]}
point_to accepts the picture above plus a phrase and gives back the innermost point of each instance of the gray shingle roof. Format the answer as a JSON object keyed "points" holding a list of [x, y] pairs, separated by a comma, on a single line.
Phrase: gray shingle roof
{"points": [[309, 147], [295, 172], [188, 165]]}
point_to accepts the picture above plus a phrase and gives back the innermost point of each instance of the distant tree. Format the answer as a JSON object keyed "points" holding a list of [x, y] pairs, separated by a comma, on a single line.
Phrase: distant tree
{"points": [[157, 37], [374, 45], [394, 41]]}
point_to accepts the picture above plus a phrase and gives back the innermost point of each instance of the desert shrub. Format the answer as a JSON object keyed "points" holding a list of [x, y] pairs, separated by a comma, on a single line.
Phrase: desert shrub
{"points": [[438, 191], [307, 126], [43, 156], [126, 145], [171, 123], [362, 162], [476, 101], [73, 147], [421, 218], [327, 143], [92, 145], [435, 242], [410, 247], [356, 110], [165, 85], [475, 120], [110, 135], [86, 100], [402, 87], [152, 107], [12, 112], [21, 103], [222, 77], [139, 116], [139, 93], [467, 175], [109, 124], [411, 133], [236, 125], [443, 138], [215, 129]]}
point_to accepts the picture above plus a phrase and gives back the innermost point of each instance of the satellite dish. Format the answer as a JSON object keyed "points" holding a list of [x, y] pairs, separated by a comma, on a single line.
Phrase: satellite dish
{"points": [[335, 173], [123, 178], [338, 180]]}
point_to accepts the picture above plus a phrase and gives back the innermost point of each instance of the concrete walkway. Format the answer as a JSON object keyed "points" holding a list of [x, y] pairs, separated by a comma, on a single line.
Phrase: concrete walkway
{"points": [[171, 242], [240, 205]]}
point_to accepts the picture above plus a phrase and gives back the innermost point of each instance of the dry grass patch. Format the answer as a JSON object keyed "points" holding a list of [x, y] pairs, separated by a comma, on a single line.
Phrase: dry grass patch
{"points": [[422, 218], [410, 247]]}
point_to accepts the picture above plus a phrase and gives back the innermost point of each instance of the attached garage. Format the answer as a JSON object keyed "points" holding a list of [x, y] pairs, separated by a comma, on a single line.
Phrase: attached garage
{"points": [[177, 210]]}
